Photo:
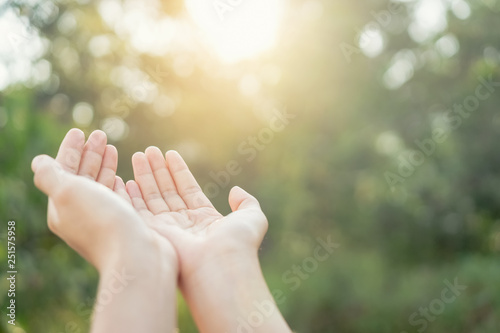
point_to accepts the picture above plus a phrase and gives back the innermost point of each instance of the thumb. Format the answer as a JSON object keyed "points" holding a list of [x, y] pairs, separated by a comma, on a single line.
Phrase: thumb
{"points": [[49, 174], [240, 199]]}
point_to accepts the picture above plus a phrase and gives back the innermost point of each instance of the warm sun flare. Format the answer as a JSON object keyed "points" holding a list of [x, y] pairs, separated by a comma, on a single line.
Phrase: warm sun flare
{"points": [[237, 29]]}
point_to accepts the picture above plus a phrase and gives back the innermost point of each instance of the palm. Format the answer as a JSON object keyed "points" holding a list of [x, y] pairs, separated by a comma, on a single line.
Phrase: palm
{"points": [[97, 161], [200, 224], [194, 222], [168, 197]]}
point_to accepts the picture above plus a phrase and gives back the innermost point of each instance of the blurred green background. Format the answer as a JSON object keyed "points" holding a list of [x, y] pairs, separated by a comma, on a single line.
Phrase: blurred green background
{"points": [[369, 83]]}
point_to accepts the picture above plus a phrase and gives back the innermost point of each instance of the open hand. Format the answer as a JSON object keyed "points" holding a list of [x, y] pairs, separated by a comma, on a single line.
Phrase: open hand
{"points": [[166, 194]]}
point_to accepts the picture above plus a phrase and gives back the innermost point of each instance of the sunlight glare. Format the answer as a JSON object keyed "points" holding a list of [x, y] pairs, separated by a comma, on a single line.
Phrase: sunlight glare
{"points": [[237, 29]]}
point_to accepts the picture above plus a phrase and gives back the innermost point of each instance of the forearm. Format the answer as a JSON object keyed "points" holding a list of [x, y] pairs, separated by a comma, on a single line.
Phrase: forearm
{"points": [[134, 299], [229, 294]]}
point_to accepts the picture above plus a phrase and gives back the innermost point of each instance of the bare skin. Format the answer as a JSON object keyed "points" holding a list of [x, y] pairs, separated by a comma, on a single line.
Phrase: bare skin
{"points": [[138, 268], [217, 255]]}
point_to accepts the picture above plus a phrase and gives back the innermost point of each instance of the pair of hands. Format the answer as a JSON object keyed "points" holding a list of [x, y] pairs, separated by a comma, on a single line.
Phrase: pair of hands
{"points": [[160, 223], [167, 200]]}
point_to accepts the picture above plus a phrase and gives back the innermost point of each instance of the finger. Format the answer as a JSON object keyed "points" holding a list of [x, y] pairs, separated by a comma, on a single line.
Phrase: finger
{"points": [[93, 152], [240, 199], [164, 180], [135, 194], [186, 184], [49, 175], [70, 151], [108, 167], [120, 189], [145, 179]]}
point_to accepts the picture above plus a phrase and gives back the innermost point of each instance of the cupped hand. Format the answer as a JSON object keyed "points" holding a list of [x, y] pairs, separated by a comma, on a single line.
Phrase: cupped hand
{"points": [[101, 225], [94, 159], [168, 197]]}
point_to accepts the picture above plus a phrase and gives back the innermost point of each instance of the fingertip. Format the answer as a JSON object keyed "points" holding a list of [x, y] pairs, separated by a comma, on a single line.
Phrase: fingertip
{"points": [[139, 160], [152, 150], [133, 189], [236, 188], [75, 138], [70, 151], [238, 191], [118, 183], [137, 155], [98, 137], [48, 174], [110, 149], [99, 133], [120, 189], [109, 146], [240, 199], [172, 154], [35, 162], [155, 158], [76, 133], [174, 160], [38, 161]]}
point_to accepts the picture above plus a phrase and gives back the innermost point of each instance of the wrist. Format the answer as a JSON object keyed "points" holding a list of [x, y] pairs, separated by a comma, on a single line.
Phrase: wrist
{"points": [[140, 281], [220, 278], [215, 263], [234, 287], [144, 256]]}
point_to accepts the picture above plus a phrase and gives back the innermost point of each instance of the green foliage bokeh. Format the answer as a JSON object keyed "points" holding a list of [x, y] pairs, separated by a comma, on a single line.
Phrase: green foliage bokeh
{"points": [[323, 175]]}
